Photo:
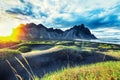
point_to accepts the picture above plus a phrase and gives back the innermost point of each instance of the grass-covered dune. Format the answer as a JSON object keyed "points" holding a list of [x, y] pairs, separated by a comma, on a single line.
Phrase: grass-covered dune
{"points": [[98, 71], [90, 59]]}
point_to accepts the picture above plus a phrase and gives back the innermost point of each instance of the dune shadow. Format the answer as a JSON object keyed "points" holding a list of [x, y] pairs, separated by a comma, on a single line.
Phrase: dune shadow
{"points": [[43, 47]]}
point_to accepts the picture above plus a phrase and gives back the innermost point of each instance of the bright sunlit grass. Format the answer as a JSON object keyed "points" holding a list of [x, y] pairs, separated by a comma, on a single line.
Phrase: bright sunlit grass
{"points": [[113, 53], [99, 71]]}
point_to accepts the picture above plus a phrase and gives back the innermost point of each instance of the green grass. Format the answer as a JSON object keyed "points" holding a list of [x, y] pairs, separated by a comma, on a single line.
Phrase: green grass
{"points": [[24, 49], [65, 42], [113, 53], [98, 71], [108, 46], [71, 47], [8, 53], [40, 42]]}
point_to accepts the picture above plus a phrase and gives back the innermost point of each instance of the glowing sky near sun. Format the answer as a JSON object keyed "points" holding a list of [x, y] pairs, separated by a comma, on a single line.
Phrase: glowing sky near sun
{"points": [[95, 14]]}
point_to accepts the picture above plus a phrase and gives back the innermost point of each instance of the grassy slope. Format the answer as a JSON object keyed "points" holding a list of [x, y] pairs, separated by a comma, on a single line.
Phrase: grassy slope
{"points": [[99, 71]]}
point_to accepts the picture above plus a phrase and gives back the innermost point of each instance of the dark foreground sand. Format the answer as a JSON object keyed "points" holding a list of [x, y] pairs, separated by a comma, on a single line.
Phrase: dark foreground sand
{"points": [[49, 60]]}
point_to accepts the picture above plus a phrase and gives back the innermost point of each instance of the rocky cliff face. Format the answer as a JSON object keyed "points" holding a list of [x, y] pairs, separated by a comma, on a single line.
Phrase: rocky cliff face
{"points": [[32, 31]]}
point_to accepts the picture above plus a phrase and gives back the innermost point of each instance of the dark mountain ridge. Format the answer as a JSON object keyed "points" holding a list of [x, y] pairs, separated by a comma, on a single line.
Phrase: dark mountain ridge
{"points": [[32, 31]]}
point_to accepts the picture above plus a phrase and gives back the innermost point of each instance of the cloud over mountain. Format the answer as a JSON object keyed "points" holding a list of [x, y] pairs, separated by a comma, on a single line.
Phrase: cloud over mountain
{"points": [[64, 13]]}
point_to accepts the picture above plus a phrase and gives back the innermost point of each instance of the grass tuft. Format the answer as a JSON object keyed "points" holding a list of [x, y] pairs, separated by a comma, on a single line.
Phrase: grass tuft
{"points": [[24, 49]]}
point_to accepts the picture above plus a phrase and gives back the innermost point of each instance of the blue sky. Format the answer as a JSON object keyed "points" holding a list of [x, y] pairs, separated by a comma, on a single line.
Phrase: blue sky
{"points": [[101, 16]]}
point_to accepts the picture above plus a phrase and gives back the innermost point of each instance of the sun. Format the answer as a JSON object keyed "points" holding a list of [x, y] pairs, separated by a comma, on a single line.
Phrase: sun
{"points": [[5, 30], [12, 34], [5, 34]]}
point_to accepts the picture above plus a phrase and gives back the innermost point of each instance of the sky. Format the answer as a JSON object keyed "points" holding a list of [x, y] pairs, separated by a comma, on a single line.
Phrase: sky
{"points": [[101, 16]]}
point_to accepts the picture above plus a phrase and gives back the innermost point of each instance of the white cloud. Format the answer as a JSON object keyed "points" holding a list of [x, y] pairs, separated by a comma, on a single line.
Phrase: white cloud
{"points": [[68, 10], [107, 32]]}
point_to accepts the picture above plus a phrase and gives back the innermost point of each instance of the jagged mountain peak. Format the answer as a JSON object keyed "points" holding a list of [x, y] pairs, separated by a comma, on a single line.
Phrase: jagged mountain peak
{"points": [[33, 31], [82, 26], [55, 30], [41, 26]]}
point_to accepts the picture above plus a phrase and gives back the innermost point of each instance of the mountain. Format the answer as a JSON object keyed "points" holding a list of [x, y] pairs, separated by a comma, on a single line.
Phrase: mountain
{"points": [[32, 31]]}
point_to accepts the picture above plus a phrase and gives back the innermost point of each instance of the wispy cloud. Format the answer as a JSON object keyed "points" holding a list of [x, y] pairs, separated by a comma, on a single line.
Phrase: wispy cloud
{"points": [[63, 13], [112, 32]]}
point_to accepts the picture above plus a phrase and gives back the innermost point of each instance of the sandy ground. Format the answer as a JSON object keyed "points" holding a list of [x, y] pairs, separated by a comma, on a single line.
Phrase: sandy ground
{"points": [[41, 50]]}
